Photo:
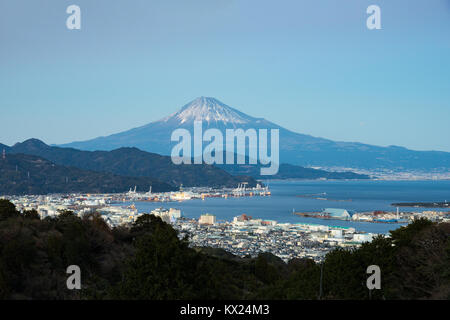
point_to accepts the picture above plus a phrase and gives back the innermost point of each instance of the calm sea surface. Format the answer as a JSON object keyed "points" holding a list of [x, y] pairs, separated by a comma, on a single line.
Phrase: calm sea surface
{"points": [[354, 195]]}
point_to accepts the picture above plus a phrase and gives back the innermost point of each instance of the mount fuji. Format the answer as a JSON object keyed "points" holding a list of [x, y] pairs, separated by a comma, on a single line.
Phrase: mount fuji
{"points": [[295, 148]]}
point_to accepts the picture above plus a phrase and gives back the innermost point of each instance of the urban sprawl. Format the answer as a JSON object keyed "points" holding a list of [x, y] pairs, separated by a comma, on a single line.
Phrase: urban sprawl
{"points": [[243, 236]]}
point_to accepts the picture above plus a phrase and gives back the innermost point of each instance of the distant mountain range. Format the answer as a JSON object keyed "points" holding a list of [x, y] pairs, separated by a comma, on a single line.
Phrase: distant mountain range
{"points": [[289, 171], [132, 162], [295, 148], [27, 174]]}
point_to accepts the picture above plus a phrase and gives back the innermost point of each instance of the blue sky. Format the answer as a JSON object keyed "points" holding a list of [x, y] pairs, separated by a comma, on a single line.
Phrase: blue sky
{"points": [[311, 66]]}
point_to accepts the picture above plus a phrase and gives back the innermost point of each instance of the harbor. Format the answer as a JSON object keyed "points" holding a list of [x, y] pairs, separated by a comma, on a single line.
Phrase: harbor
{"points": [[350, 215], [184, 194], [277, 201]]}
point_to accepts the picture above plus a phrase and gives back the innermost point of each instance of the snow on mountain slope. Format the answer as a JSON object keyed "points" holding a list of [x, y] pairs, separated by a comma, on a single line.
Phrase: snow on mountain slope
{"points": [[295, 148], [209, 110]]}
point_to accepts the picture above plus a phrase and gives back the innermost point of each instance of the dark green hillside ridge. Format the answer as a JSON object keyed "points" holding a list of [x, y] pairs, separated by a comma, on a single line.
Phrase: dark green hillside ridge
{"points": [[27, 174], [134, 163], [289, 171]]}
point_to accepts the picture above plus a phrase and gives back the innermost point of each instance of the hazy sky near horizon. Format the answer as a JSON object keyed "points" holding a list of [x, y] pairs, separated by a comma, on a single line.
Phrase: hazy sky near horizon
{"points": [[310, 66]]}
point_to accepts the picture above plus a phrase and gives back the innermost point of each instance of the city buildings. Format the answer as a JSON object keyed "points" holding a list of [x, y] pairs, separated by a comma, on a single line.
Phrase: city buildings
{"points": [[207, 219], [243, 236]]}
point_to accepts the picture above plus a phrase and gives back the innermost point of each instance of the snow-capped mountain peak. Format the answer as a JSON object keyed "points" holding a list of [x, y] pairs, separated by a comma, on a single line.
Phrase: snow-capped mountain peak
{"points": [[209, 110], [295, 148]]}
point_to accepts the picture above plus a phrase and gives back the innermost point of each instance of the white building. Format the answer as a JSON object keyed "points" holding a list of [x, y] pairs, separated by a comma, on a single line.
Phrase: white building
{"points": [[366, 237], [207, 219]]}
